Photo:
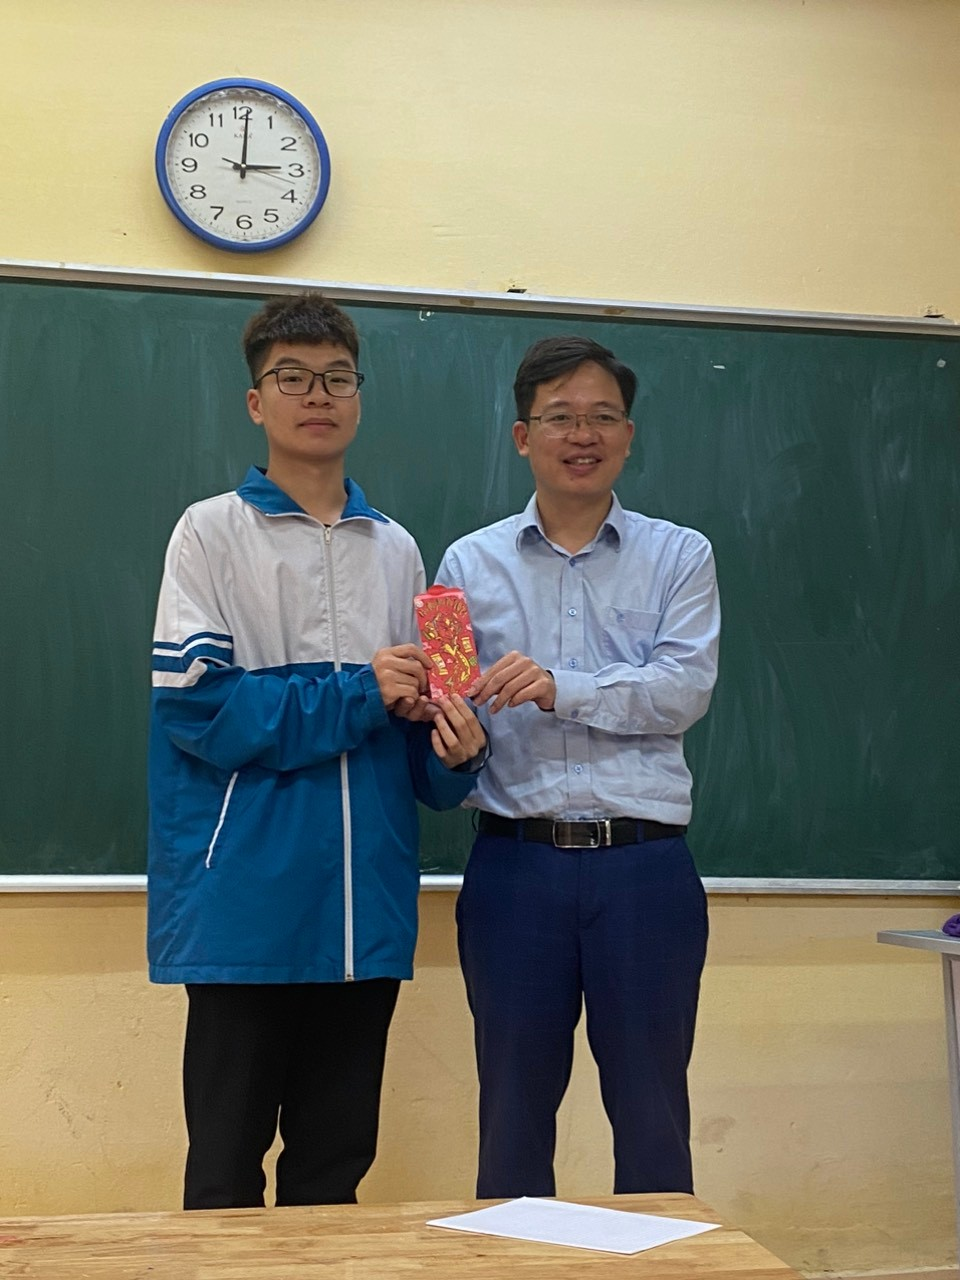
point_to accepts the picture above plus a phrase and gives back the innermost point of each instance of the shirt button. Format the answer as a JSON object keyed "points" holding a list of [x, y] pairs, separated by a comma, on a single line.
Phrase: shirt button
{"points": [[574, 715], [572, 562], [572, 613], [578, 768], [619, 617], [572, 662]]}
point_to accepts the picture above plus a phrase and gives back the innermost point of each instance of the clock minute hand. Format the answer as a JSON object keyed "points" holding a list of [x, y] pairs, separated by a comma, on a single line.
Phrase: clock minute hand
{"points": [[243, 152]]}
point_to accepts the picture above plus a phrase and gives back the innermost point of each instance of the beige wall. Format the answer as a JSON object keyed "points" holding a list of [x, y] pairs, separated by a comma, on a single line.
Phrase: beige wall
{"points": [[781, 153], [796, 154], [821, 1116]]}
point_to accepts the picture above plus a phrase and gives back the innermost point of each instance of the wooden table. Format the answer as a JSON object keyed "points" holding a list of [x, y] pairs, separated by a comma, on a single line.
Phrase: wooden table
{"points": [[357, 1242], [948, 949]]}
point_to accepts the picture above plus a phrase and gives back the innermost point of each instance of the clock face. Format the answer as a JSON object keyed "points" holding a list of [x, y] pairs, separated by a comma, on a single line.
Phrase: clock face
{"points": [[242, 164]]}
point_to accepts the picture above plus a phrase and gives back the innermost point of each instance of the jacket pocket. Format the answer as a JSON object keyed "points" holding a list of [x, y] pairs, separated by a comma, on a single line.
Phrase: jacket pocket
{"points": [[227, 796]]}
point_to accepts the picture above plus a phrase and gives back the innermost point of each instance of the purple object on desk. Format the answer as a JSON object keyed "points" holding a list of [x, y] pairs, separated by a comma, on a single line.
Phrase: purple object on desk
{"points": [[952, 926]]}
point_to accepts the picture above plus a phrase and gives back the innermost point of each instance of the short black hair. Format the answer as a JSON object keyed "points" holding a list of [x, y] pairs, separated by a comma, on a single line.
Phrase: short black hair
{"points": [[550, 357], [299, 317]]}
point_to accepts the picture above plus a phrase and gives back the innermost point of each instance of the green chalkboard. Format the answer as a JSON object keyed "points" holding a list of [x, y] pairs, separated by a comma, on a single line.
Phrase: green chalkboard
{"points": [[824, 466]]}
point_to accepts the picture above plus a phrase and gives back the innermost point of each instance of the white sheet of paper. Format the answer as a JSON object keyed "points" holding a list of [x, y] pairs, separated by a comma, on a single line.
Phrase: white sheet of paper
{"points": [[582, 1226]]}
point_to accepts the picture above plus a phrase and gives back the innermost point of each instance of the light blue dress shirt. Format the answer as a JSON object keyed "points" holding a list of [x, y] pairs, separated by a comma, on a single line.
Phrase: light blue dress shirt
{"points": [[629, 626]]}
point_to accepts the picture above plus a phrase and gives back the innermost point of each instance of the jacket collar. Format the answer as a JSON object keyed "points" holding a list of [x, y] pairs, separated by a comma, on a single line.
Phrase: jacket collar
{"points": [[273, 501]]}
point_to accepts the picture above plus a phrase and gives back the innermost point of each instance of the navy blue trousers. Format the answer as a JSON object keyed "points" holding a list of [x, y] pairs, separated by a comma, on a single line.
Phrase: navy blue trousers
{"points": [[544, 932]]}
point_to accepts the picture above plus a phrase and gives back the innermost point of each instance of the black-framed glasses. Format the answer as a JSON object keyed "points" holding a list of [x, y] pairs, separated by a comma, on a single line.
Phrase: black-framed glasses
{"points": [[560, 423], [296, 381]]}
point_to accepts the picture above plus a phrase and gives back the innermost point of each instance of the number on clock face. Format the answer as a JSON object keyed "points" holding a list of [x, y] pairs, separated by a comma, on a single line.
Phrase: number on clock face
{"points": [[243, 166]]}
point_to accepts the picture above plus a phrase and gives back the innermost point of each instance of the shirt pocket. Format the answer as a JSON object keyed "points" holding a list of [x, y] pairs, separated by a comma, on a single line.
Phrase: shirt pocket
{"points": [[628, 635]]}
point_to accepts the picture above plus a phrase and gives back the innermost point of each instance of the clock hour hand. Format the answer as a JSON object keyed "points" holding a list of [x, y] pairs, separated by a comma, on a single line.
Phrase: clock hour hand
{"points": [[237, 165]]}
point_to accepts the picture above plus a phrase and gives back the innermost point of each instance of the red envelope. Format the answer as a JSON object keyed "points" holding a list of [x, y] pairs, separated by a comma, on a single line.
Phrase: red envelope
{"points": [[447, 639]]}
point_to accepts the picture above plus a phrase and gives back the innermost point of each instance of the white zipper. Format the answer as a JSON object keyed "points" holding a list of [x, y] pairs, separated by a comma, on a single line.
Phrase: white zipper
{"points": [[223, 813], [348, 972]]}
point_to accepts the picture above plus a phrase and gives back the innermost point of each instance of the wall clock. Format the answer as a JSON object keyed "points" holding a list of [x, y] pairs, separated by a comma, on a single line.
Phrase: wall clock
{"points": [[243, 164]]}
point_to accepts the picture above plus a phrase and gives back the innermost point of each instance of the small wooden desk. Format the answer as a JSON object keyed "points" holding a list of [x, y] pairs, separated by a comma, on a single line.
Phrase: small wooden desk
{"points": [[357, 1242], [949, 951]]}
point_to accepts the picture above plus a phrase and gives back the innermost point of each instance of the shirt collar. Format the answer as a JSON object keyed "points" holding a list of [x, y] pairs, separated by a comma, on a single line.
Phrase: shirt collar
{"points": [[273, 501], [612, 530]]}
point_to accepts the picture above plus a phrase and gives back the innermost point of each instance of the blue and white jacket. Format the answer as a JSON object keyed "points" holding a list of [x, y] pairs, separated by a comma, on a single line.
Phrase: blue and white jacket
{"points": [[283, 826]]}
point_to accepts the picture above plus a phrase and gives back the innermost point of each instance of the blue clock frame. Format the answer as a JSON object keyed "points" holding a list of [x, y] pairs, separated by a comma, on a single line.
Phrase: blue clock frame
{"points": [[242, 82]]}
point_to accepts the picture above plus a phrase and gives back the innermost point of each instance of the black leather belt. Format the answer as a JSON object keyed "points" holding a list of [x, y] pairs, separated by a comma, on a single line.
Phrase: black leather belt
{"points": [[577, 835]]}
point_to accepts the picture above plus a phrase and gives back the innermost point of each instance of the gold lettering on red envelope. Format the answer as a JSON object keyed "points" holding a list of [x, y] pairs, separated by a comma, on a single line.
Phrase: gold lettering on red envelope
{"points": [[447, 639]]}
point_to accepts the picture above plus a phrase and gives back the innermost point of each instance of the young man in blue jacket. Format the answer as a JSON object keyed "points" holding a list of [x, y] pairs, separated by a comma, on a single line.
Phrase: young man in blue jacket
{"points": [[290, 738], [597, 632]]}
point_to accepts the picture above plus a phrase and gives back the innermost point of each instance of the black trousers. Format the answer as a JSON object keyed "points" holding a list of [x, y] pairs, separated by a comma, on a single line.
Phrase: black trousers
{"points": [[305, 1056]]}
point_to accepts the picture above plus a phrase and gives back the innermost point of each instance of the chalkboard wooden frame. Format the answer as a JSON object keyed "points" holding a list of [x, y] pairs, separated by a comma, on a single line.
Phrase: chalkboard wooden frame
{"points": [[509, 303]]}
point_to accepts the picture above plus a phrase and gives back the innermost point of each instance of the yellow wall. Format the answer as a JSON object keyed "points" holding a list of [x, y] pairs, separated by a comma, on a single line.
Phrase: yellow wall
{"points": [[821, 1115], [796, 154]]}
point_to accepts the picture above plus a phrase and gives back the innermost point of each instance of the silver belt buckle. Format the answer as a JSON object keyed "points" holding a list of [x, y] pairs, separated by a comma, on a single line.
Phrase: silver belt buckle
{"points": [[563, 834]]}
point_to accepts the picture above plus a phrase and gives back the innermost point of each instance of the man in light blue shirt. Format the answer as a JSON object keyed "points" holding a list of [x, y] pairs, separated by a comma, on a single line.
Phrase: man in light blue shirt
{"points": [[597, 630]]}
